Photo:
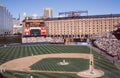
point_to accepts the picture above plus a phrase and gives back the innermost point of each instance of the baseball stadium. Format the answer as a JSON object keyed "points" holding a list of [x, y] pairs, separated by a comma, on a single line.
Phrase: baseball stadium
{"points": [[42, 54]]}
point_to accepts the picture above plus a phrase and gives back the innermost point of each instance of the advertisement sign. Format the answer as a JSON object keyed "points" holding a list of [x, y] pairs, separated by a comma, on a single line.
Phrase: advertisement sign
{"points": [[43, 30], [26, 30]]}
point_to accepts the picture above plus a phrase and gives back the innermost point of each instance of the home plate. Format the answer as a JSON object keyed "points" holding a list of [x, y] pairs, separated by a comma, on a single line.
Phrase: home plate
{"points": [[88, 73]]}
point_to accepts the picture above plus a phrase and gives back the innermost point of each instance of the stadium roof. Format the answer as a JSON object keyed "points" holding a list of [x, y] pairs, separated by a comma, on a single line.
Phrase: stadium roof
{"points": [[82, 17]]}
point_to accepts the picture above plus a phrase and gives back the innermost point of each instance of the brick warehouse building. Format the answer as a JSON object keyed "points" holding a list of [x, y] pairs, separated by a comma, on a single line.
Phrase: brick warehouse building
{"points": [[78, 26]]}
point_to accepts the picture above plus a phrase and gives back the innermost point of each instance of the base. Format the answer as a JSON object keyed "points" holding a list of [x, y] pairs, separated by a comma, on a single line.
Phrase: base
{"points": [[88, 73]]}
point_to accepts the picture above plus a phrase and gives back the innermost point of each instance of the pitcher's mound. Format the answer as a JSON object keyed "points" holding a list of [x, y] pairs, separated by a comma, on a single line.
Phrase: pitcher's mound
{"points": [[91, 74], [63, 63]]}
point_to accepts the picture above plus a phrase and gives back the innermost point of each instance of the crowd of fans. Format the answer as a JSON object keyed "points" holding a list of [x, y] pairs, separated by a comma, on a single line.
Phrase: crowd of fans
{"points": [[109, 44], [41, 39]]}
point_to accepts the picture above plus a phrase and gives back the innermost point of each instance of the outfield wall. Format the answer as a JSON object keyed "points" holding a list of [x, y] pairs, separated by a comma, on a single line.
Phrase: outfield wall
{"points": [[41, 39], [77, 43]]}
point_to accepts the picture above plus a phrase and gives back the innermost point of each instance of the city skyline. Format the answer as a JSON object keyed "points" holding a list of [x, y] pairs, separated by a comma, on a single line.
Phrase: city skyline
{"points": [[94, 7]]}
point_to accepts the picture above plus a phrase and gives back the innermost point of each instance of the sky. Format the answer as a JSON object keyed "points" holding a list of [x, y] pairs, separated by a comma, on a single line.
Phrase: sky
{"points": [[94, 7]]}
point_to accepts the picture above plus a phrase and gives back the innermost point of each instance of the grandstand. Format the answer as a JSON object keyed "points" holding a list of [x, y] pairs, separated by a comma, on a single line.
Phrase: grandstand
{"points": [[109, 43]]}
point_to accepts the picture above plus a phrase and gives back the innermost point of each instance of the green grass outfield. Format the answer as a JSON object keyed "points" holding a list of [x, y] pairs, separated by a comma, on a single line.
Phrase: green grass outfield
{"points": [[10, 53]]}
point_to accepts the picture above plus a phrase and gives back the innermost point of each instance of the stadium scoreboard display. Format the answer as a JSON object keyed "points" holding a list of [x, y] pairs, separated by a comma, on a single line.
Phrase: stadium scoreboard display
{"points": [[34, 27]]}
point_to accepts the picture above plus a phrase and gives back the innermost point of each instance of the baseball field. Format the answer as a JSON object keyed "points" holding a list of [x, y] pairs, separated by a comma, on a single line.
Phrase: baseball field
{"points": [[8, 54]]}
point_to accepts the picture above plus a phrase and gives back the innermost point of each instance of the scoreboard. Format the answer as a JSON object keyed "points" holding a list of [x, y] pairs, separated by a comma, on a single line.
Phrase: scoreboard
{"points": [[34, 23], [34, 27]]}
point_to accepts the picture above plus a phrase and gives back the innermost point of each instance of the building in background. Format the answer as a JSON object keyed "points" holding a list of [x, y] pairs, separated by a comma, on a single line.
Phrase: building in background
{"points": [[17, 26], [47, 13], [6, 26], [81, 26]]}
